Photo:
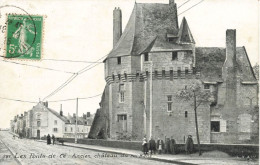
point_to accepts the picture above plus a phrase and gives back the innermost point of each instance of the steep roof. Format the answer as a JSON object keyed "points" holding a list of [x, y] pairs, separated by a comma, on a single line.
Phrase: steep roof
{"points": [[147, 27], [184, 35], [209, 61], [63, 118]]}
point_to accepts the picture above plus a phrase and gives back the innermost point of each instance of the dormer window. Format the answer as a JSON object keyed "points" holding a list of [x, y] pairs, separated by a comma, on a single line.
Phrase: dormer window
{"points": [[146, 57], [206, 86], [118, 60], [174, 56]]}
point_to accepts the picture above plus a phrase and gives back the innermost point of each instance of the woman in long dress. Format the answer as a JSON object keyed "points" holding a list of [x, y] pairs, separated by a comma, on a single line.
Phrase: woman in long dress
{"points": [[145, 146], [48, 139]]}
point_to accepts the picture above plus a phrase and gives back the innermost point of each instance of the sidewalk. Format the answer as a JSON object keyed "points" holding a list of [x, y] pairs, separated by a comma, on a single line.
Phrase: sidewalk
{"points": [[213, 157]]}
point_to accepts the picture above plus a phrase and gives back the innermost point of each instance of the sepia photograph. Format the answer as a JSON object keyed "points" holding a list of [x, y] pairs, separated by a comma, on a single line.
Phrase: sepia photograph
{"points": [[130, 82]]}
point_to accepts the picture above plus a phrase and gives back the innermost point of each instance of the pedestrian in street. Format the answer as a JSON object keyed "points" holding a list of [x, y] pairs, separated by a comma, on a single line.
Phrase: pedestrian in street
{"points": [[189, 146], [172, 146], [152, 145], [160, 146], [48, 139], [167, 145], [145, 146], [53, 139]]}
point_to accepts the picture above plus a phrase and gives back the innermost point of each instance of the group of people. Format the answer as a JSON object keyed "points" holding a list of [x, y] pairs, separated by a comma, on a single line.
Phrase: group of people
{"points": [[168, 147], [49, 139]]}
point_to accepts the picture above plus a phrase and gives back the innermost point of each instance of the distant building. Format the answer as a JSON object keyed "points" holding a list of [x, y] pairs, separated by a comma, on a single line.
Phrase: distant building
{"points": [[41, 121], [153, 44]]}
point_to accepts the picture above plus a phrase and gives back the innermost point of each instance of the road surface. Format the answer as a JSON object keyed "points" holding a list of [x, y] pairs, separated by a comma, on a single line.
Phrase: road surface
{"points": [[30, 152]]}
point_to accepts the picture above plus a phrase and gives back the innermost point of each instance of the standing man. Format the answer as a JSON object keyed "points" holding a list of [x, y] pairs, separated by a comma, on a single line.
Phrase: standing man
{"points": [[48, 139], [189, 145], [172, 146], [152, 145], [53, 139]]}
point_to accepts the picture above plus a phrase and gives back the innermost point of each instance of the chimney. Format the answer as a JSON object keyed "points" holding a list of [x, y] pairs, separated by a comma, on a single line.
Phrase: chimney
{"points": [[61, 113], [171, 2], [117, 25], [231, 46], [88, 114], [84, 116]]}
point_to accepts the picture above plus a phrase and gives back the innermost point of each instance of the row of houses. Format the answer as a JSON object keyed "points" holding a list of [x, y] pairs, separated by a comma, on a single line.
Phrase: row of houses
{"points": [[42, 120]]}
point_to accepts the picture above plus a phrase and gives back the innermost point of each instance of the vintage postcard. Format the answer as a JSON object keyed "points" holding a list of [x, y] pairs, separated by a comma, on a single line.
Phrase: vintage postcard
{"points": [[129, 82]]}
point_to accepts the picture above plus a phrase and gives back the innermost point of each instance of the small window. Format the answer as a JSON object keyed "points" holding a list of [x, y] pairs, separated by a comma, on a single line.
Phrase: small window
{"points": [[186, 114], [174, 56], [169, 107], [55, 122], [121, 117], [147, 74], [55, 129], [119, 76], [186, 71], [118, 60], [215, 126], [169, 98], [137, 76], [179, 71], [146, 57], [122, 97], [65, 129], [71, 129], [206, 86]]}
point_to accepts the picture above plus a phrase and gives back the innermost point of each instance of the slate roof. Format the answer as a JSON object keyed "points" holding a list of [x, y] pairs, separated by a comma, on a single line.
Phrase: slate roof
{"points": [[147, 27], [184, 35], [209, 61], [63, 118]]}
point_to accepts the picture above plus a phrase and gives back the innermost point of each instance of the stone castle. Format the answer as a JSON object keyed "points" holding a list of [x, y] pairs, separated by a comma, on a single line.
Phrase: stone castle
{"points": [[152, 59]]}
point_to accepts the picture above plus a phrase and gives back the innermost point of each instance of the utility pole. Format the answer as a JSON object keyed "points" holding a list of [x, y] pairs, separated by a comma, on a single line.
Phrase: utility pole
{"points": [[151, 97], [76, 124]]}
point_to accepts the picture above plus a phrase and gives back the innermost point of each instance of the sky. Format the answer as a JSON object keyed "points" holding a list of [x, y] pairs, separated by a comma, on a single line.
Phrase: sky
{"points": [[81, 30]]}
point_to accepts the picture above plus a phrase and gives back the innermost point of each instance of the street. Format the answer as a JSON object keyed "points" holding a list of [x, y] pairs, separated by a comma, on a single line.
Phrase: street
{"points": [[39, 153]]}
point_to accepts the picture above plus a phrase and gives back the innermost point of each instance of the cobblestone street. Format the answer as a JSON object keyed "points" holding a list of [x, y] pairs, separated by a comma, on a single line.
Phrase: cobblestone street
{"points": [[38, 153]]}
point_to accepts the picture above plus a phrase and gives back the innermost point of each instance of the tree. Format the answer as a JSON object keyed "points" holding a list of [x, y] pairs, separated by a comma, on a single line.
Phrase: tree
{"points": [[196, 96]]}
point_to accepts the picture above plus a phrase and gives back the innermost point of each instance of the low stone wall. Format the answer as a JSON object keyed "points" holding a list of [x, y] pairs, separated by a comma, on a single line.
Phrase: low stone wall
{"points": [[231, 149]]}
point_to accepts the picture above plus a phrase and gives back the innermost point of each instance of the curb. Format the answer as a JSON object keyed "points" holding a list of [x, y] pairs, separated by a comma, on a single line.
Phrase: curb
{"points": [[134, 155]]}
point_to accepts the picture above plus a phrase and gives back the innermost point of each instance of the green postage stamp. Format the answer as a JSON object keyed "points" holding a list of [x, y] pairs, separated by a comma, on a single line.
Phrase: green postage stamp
{"points": [[24, 37]]}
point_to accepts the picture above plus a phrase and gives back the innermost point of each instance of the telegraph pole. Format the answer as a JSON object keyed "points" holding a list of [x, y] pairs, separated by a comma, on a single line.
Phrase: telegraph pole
{"points": [[151, 97], [76, 124]]}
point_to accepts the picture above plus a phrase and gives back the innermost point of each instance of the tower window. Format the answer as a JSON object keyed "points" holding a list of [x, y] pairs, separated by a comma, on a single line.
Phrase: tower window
{"points": [[186, 114], [113, 77], [119, 76], [169, 107], [174, 56], [147, 73], [118, 60], [122, 97], [215, 126], [146, 57], [169, 98]]}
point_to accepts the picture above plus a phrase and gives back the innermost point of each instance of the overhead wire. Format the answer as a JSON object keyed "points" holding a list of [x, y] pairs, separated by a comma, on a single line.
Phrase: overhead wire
{"points": [[191, 7]]}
